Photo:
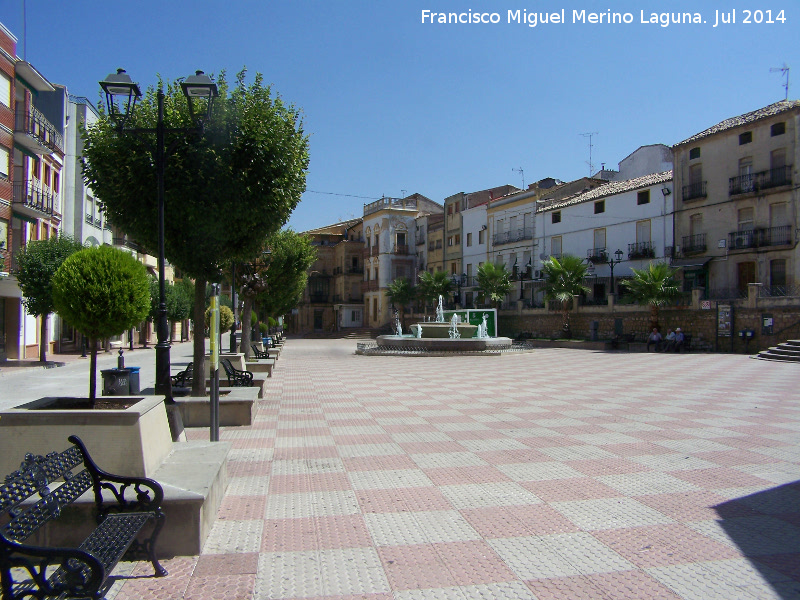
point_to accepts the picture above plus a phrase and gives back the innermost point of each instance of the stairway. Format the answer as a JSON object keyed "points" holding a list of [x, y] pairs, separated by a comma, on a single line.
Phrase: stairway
{"points": [[788, 351]]}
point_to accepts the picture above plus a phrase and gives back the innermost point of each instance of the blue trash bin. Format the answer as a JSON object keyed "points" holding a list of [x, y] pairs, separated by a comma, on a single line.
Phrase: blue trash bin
{"points": [[134, 379]]}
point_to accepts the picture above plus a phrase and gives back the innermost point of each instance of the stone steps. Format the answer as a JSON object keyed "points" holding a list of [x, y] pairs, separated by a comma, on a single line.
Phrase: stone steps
{"points": [[788, 351]]}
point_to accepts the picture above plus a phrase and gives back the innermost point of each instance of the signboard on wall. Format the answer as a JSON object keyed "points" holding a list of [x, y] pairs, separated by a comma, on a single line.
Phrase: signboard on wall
{"points": [[724, 320]]}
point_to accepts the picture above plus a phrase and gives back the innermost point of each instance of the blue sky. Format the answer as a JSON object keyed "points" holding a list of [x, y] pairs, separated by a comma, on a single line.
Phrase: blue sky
{"points": [[392, 104]]}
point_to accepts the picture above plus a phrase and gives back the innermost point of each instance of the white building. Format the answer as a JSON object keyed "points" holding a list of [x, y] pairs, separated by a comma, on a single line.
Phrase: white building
{"points": [[475, 249]]}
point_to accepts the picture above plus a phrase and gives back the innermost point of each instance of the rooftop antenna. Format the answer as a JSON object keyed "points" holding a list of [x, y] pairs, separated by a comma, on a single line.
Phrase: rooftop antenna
{"points": [[589, 135], [784, 71], [522, 173], [404, 193]]}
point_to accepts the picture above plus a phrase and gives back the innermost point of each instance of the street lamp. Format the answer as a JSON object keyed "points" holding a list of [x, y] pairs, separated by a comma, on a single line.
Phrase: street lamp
{"points": [[611, 262], [121, 97]]}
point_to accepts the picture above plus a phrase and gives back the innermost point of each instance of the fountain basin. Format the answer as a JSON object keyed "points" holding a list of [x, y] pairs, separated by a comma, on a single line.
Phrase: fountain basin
{"points": [[442, 330], [442, 344]]}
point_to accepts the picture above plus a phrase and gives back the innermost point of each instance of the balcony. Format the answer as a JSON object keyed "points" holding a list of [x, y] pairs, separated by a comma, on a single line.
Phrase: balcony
{"points": [[124, 242], [318, 297], [33, 200], [369, 286], [597, 255], [401, 249], [366, 252], [641, 250], [763, 180], [355, 271], [693, 244], [36, 133], [89, 219], [694, 191], [516, 235], [760, 238]]}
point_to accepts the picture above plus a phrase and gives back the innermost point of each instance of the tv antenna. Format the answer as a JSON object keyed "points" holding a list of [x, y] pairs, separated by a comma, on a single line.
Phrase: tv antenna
{"points": [[784, 71], [522, 173], [589, 135]]}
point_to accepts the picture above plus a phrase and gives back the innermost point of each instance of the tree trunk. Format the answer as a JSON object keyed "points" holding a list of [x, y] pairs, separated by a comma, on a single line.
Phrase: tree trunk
{"points": [[93, 370], [247, 326], [199, 358], [43, 340], [653, 316]]}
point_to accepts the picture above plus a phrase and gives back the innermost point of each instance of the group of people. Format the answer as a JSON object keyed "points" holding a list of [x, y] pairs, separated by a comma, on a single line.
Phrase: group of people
{"points": [[673, 342]]}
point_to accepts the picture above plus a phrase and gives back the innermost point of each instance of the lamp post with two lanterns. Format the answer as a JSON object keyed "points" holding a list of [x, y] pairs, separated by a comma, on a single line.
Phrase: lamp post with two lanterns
{"points": [[611, 262], [121, 97]]}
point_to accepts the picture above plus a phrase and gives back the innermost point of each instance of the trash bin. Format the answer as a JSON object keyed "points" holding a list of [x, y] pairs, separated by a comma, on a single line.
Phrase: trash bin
{"points": [[134, 379], [594, 326], [116, 382]]}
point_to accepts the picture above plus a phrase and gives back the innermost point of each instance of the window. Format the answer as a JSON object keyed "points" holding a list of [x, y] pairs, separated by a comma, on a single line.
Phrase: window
{"points": [[777, 272], [377, 240], [5, 90], [599, 239], [56, 181], [3, 234], [745, 219], [643, 231], [695, 225], [745, 138], [457, 239], [555, 245], [694, 153], [449, 240], [777, 160], [643, 197], [453, 268], [777, 129], [469, 240], [556, 217], [5, 162], [777, 215], [696, 174], [469, 269], [449, 209], [746, 174], [482, 236], [599, 207]]}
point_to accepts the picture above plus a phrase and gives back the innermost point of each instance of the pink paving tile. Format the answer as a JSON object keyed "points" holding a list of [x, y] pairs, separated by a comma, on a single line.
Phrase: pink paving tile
{"points": [[230, 587], [402, 500], [315, 533], [294, 453], [606, 466], [664, 545], [246, 444], [620, 585], [637, 449], [142, 583], [562, 490], [409, 428], [476, 434], [550, 441], [388, 462], [290, 432], [566, 588], [754, 442], [351, 422], [694, 506], [431, 447], [473, 562], [219, 564], [448, 419], [342, 531], [660, 435], [507, 457], [517, 521], [360, 438], [244, 468], [581, 430], [415, 567], [308, 482], [241, 508], [460, 475], [719, 478], [734, 458]]}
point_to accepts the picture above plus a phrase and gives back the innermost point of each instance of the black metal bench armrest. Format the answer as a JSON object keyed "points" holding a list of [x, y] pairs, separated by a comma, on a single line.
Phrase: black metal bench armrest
{"points": [[259, 353]]}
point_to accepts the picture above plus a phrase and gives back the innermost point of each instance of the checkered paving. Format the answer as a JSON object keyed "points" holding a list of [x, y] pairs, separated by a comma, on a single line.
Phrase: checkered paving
{"points": [[550, 475]]}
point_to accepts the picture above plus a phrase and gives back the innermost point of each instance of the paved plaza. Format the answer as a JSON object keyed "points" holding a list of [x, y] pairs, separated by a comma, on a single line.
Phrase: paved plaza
{"points": [[553, 474]]}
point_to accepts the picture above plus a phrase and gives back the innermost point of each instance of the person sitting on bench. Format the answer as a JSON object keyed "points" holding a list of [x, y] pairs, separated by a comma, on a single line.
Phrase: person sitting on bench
{"points": [[654, 339], [679, 340]]}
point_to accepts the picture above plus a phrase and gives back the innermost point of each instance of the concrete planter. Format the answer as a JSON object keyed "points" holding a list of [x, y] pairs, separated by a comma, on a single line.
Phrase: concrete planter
{"points": [[236, 408], [133, 441]]}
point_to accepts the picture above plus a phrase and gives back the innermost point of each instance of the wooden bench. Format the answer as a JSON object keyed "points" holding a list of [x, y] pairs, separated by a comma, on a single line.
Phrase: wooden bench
{"points": [[236, 378], [38, 491]]}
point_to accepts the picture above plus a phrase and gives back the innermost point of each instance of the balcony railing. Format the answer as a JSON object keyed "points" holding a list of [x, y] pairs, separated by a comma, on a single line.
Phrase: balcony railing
{"points": [[693, 244], [89, 219], [366, 252], [355, 271], [400, 249], [31, 195], [763, 180], [45, 137], [758, 238], [318, 297], [641, 250], [694, 190], [125, 243], [516, 235], [597, 255], [369, 286]]}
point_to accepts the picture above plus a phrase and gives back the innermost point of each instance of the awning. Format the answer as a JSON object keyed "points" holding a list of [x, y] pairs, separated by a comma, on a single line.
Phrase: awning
{"points": [[691, 264]]}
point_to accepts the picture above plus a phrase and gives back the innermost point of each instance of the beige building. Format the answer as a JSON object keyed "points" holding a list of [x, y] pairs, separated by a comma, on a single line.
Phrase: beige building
{"points": [[736, 207]]}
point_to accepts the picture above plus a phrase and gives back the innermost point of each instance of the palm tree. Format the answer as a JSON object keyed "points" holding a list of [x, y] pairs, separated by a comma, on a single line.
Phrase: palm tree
{"points": [[494, 281], [433, 285], [401, 292], [563, 279], [655, 286]]}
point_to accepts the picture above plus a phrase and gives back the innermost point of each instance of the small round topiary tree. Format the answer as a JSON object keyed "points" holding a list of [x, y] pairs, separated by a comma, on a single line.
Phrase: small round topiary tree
{"points": [[101, 292], [225, 318]]}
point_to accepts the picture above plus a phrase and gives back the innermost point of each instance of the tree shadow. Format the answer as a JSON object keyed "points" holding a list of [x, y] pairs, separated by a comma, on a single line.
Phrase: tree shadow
{"points": [[766, 528]]}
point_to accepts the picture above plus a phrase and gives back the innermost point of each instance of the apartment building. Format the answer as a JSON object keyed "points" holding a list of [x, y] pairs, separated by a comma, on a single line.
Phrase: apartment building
{"points": [[737, 204], [33, 117]]}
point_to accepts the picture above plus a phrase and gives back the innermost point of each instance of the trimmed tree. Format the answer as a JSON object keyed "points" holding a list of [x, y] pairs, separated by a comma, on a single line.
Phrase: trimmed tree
{"points": [[224, 190], [402, 293], [494, 281], [37, 262], [563, 279], [101, 292], [654, 286]]}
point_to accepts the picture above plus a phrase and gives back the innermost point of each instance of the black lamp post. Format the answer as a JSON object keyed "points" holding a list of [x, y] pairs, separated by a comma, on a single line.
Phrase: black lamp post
{"points": [[121, 97], [611, 262]]}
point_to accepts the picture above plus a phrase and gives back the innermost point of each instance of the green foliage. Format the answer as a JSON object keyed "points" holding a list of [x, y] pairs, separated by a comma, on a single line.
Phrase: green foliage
{"points": [[272, 322], [249, 167], [401, 292], [101, 291], [225, 318], [37, 262], [179, 307], [184, 288], [263, 328], [433, 285], [291, 256], [563, 278], [654, 286], [494, 281]]}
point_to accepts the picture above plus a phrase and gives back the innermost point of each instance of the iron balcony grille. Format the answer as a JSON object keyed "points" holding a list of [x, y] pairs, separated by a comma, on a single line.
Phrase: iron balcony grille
{"points": [[400, 249], [763, 180], [319, 297], [33, 195], [694, 244], [597, 255], [35, 124], [509, 237], [355, 271], [369, 286], [89, 219], [694, 190], [758, 238], [125, 243], [366, 252], [641, 250]]}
